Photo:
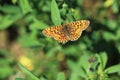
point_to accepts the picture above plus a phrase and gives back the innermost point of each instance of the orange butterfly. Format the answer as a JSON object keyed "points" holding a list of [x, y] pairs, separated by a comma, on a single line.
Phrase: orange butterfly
{"points": [[67, 32]]}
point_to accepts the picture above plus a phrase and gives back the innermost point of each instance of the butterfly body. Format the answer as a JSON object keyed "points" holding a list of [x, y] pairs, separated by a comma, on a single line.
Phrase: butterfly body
{"points": [[67, 32]]}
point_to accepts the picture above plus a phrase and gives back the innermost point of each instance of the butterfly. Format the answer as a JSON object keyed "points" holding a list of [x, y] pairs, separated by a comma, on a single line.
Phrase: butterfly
{"points": [[67, 32]]}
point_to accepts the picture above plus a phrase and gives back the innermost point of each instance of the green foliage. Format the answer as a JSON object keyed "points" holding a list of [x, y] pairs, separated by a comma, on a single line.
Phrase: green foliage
{"points": [[55, 14], [5, 68], [19, 79], [25, 6], [28, 73], [61, 76], [94, 56], [113, 69], [94, 70]]}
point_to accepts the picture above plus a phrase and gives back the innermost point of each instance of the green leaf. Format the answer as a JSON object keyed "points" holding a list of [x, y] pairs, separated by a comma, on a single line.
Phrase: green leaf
{"points": [[5, 68], [42, 78], [19, 79], [84, 61], [8, 20], [104, 59], [74, 76], [76, 69], [99, 60], [112, 24], [108, 36], [10, 9], [113, 69], [71, 64], [25, 6], [118, 33], [115, 6], [4, 52], [79, 2], [29, 40], [108, 3], [55, 14], [14, 1], [51, 52], [36, 25], [61, 76], [5, 71], [28, 73]]}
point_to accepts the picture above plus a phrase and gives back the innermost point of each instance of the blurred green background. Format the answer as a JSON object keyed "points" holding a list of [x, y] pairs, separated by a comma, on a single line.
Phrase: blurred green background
{"points": [[43, 58]]}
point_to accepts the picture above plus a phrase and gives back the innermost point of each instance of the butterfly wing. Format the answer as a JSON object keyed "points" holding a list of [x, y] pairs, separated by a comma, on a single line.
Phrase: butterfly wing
{"points": [[76, 28], [56, 32]]}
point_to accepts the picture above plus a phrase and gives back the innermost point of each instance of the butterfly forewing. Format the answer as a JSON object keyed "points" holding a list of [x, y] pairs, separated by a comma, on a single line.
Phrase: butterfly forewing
{"points": [[76, 28], [56, 32]]}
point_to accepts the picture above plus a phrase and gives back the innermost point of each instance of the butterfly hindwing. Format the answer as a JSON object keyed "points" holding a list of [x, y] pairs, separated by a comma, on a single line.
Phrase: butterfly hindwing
{"points": [[76, 28]]}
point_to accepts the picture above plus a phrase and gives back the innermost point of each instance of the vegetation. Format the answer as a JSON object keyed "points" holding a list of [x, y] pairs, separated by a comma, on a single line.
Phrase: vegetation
{"points": [[26, 54]]}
